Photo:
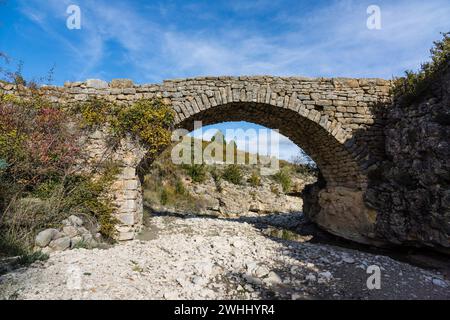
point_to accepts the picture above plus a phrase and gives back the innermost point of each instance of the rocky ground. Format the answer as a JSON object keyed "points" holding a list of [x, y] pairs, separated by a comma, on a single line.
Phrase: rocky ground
{"points": [[210, 258]]}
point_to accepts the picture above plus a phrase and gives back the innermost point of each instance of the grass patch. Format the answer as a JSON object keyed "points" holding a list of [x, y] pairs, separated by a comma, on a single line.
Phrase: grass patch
{"points": [[10, 247], [233, 174], [283, 177], [255, 179], [197, 172]]}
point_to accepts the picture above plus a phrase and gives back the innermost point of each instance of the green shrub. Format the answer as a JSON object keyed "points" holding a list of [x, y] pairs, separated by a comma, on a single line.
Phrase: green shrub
{"points": [[274, 190], [197, 172], [164, 196], [217, 177], [149, 119], [283, 177], [255, 179], [232, 174], [413, 84], [86, 195], [40, 184], [10, 246], [179, 187]]}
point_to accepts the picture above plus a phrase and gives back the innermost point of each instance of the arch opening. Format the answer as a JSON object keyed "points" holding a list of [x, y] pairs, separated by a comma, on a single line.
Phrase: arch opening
{"points": [[335, 162]]}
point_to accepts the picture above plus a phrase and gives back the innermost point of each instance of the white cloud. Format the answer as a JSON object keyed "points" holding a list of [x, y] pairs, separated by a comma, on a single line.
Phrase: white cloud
{"points": [[330, 40]]}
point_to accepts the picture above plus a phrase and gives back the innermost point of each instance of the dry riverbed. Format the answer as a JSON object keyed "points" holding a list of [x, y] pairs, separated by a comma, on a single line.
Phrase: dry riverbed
{"points": [[205, 258]]}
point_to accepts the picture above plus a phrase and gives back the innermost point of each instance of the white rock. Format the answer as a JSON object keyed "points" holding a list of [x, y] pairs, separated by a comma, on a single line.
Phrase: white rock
{"points": [[82, 230], [75, 221], [70, 231], [273, 278], [348, 260], [47, 250], [325, 277], [170, 295], [60, 244], [199, 281], [204, 268], [310, 277], [251, 266], [261, 272], [295, 296], [252, 280], [440, 283], [75, 240], [96, 84], [44, 237]]}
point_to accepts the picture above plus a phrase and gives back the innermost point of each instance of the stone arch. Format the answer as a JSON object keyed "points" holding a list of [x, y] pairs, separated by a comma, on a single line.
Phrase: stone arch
{"points": [[335, 120], [335, 162], [328, 118]]}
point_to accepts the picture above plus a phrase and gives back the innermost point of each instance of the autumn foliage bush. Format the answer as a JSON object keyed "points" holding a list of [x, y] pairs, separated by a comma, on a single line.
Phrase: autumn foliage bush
{"points": [[40, 178], [39, 181]]}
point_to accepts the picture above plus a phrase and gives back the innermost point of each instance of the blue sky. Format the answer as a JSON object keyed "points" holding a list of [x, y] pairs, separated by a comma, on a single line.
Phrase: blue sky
{"points": [[149, 41]]}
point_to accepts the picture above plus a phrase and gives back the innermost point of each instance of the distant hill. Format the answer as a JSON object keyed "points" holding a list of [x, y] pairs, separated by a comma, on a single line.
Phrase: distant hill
{"points": [[227, 190]]}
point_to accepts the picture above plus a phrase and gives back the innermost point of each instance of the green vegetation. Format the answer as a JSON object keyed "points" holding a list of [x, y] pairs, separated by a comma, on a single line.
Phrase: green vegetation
{"points": [[164, 198], [274, 190], [39, 183], [163, 183], [255, 179], [283, 234], [232, 174], [415, 84], [40, 180], [197, 172], [217, 177], [150, 120], [283, 177], [25, 257]]}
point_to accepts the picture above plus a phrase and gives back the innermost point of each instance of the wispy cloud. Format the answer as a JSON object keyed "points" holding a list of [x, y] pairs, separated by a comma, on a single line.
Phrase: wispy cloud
{"points": [[328, 40]]}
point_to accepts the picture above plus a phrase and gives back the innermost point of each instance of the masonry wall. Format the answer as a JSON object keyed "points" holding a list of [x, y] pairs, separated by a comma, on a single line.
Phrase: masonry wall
{"points": [[411, 188]]}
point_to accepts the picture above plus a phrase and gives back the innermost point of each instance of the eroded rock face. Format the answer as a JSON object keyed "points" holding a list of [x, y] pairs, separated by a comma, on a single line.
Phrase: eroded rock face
{"points": [[411, 190], [344, 213], [236, 200], [407, 201], [341, 211]]}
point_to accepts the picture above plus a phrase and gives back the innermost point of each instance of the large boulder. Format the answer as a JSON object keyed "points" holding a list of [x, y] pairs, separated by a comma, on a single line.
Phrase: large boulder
{"points": [[60, 244], [45, 237]]}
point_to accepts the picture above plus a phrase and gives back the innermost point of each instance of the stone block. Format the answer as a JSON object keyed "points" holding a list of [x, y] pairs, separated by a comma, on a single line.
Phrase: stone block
{"points": [[121, 83], [126, 219], [60, 244], [44, 237], [97, 84]]}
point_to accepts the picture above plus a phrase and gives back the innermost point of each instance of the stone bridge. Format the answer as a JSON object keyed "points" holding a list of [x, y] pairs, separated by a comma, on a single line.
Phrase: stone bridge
{"points": [[335, 120]]}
